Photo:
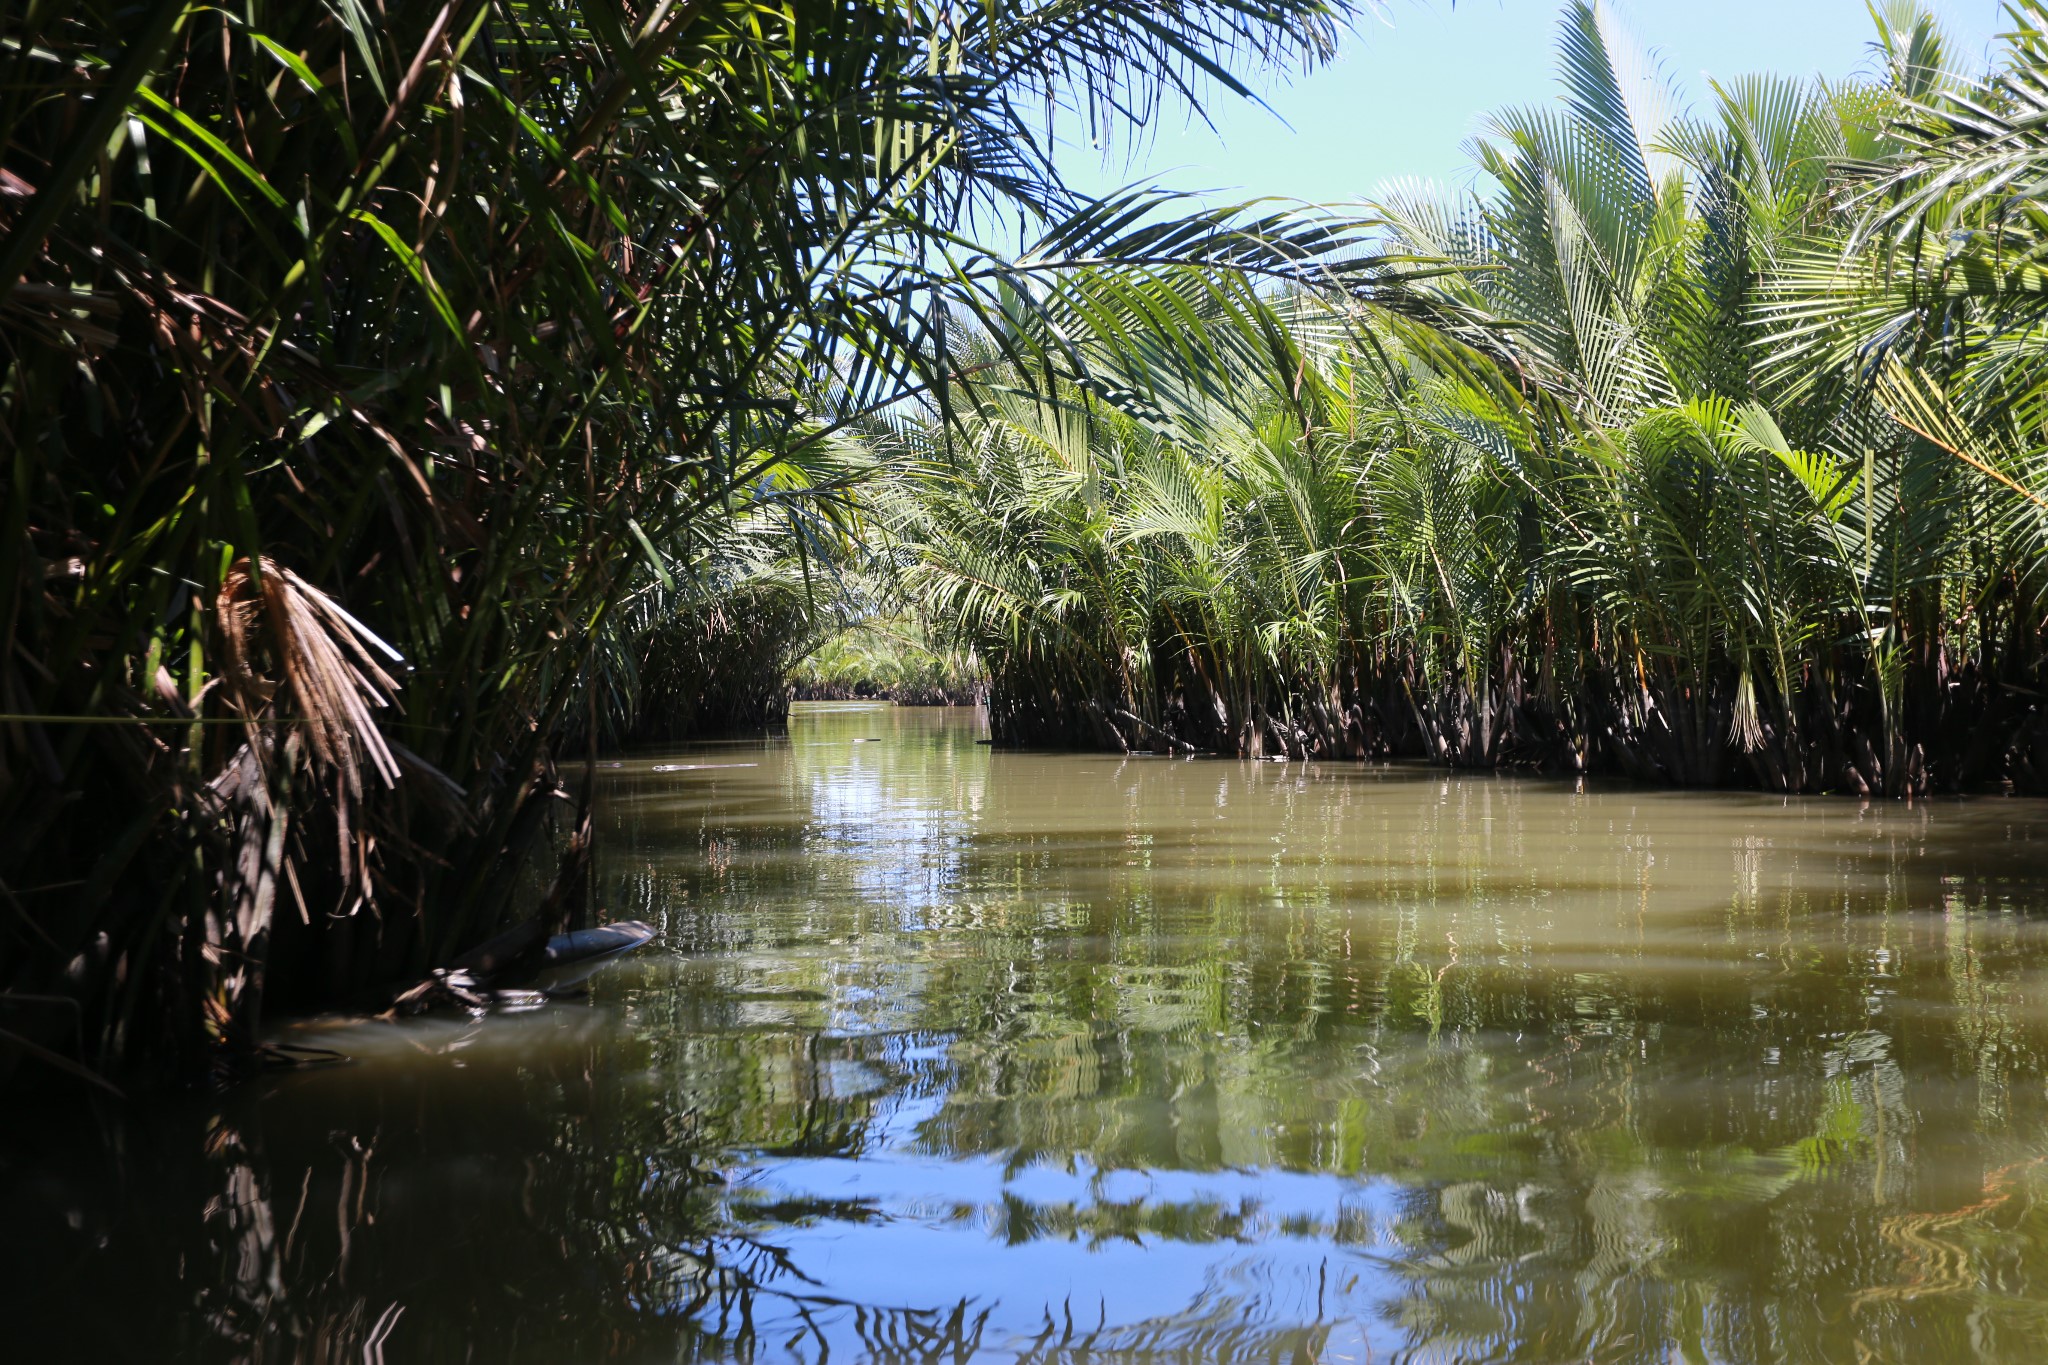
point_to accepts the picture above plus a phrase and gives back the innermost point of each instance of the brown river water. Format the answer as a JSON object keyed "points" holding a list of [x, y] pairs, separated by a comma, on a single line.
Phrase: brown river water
{"points": [[949, 1054]]}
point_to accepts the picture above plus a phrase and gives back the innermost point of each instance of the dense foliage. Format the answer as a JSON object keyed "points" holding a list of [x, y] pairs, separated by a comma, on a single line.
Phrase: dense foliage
{"points": [[890, 659], [1715, 464], [371, 374], [399, 403]]}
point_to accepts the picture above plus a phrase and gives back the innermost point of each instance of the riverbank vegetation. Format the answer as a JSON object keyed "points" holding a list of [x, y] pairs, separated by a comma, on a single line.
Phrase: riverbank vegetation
{"points": [[888, 659], [374, 375], [1717, 465]]}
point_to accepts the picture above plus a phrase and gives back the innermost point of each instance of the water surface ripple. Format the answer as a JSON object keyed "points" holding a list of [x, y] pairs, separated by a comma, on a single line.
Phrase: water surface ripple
{"points": [[948, 1054]]}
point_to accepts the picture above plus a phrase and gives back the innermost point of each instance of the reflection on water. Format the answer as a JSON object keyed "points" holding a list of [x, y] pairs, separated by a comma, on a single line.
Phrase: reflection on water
{"points": [[954, 1054]]}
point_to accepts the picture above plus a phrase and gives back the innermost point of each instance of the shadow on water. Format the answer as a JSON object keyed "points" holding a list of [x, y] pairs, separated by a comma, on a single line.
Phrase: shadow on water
{"points": [[954, 1055], [538, 1204]]}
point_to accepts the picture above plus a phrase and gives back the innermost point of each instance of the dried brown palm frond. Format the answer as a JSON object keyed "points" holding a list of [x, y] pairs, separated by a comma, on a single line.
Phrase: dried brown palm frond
{"points": [[292, 656], [325, 657]]}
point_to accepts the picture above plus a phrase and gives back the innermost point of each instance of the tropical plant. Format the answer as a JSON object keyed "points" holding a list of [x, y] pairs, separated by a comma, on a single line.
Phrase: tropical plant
{"points": [[1661, 476], [363, 368]]}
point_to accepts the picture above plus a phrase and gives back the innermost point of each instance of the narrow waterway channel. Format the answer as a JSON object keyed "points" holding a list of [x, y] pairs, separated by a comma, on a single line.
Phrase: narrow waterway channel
{"points": [[951, 1054]]}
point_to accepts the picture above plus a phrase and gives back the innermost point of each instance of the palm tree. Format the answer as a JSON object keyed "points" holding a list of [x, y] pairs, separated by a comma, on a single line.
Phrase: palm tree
{"points": [[1649, 471], [362, 373]]}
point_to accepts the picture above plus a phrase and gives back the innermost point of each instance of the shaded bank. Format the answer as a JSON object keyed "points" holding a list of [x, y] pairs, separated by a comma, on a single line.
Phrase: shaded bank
{"points": [[901, 694], [370, 377]]}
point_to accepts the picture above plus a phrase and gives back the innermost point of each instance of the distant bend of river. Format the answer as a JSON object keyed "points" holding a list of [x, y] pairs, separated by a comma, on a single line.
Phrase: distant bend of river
{"points": [[950, 1054]]}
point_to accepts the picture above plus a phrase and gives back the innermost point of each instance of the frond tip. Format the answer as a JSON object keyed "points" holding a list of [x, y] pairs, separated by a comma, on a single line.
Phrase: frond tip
{"points": [[270, 617]]}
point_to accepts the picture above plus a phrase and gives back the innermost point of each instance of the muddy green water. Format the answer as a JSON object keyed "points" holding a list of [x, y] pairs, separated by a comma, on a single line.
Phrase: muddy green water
{"points": [[948, 1054]]}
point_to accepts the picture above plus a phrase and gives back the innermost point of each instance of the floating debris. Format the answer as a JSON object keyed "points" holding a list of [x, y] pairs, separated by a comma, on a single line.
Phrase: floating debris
{"points": [[481, 979], [572, 957]]}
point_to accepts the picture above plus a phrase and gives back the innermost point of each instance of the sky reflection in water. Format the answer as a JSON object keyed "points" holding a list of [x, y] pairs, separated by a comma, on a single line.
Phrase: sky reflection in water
{"points": [[951, 1054]]}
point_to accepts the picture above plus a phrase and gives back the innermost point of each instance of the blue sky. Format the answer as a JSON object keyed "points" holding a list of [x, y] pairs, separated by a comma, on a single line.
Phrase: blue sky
{"points": [[1409, 89]]}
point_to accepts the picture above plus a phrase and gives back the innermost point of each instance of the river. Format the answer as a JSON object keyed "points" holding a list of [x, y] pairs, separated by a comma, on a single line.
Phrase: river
{"points": [[953, 1054]]}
